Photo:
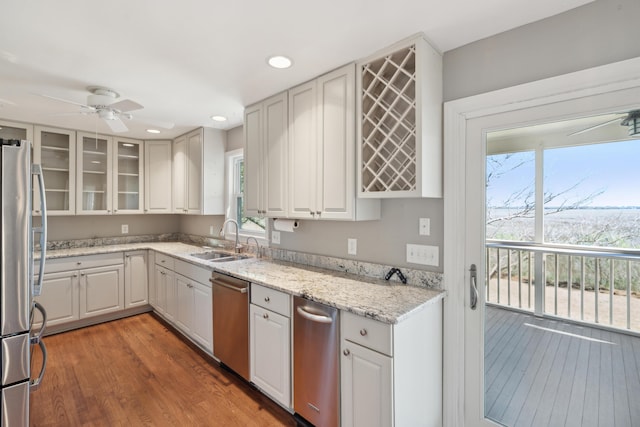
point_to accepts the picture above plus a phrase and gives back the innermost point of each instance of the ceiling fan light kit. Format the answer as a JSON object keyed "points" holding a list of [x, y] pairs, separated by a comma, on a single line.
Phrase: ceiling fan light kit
{"points": [[632, 121], [104, 103]]}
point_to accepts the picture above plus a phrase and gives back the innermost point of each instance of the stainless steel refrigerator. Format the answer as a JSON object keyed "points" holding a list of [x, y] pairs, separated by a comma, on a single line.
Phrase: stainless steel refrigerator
{"points": [[19, 282]]}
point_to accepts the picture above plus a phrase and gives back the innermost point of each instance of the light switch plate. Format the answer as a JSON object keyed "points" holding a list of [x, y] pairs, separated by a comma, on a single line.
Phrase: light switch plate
{"points": [[425, 227], [423, 254], [352, 246], [125, 228], [275, 237]]}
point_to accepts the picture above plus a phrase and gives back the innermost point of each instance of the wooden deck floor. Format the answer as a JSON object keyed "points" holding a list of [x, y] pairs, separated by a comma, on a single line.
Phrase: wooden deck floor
{"points": [[542, 372]]}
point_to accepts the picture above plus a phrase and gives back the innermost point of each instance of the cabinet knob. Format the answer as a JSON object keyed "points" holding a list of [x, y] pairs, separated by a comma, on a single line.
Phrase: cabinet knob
{"points": [[267, 299], [108, 210], [37, 211], [346, 352], [162, 261], [313, 214], [363, 332], [75, 275], [115, 210], [78, 263], [318, 213], [82, 274], [266, 316]]}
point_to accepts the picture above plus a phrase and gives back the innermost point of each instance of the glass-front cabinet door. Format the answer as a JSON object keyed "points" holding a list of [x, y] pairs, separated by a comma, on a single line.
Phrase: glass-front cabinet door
{"points": [[127, 176], [94, 174], [55, 150]]}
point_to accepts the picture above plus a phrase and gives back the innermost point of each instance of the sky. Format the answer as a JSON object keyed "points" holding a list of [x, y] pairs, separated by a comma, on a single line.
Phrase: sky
{"points": [[612, 169]]}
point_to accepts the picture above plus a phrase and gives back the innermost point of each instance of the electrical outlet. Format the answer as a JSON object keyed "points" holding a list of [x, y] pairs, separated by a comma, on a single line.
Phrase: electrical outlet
{"points": [[425, 227], [275, 237], [125, 228], [352, 246], [211, 230], [423, 254]]}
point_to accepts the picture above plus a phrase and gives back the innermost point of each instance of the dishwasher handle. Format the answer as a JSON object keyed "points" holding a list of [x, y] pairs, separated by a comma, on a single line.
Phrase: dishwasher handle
{"points": [[233, 288], [314, 317]]}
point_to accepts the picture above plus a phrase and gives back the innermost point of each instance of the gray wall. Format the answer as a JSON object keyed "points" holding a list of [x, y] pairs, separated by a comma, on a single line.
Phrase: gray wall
{"points": [[89, 226], [200, 225], [598, 33]]}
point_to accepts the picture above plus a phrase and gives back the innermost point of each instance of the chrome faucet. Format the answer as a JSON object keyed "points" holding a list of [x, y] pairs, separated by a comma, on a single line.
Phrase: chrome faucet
{"points": [[233, 221], [258, 253]]}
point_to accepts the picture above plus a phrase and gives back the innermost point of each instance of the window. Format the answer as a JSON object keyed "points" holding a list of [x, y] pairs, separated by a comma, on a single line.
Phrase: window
{"points": [[560, 188], [249, 226]]}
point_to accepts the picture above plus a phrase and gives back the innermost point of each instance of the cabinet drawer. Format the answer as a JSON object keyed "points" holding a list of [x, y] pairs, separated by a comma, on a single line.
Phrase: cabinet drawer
{"points": [[165, 261], [367, 332], [271, 299], [81, 262], [193, 272]]}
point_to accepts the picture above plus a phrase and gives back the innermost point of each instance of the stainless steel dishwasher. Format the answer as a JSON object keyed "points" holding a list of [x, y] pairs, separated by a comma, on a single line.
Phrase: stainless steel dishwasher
{"points": [[316, 345], [231, 322]]}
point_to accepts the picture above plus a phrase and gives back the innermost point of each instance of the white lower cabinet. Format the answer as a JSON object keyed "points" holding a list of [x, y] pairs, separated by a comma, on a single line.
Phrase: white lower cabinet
{"points": [[366, 387], [101, 290], [77, 288], [391, 375], [136, 284], [164, 281], [182, 295], [270, 343], [59, 297]]}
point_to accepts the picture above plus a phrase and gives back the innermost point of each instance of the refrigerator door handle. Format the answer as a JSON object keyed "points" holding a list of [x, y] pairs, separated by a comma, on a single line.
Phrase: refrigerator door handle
{"points": [[35, 384], [37, 170], [36, 339]]}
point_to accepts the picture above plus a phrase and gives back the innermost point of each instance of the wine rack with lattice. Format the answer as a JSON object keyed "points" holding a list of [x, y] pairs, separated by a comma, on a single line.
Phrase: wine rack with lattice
{"points": [[388, 145]]}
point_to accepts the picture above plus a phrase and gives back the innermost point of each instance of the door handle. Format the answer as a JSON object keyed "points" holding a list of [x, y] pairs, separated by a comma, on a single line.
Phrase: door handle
{"points": [[37, 286], [314, 317], [473, 275]]}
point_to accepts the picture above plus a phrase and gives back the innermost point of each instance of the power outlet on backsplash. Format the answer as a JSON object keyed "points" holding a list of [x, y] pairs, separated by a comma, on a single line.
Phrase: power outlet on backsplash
{"points": [[275, 237]]}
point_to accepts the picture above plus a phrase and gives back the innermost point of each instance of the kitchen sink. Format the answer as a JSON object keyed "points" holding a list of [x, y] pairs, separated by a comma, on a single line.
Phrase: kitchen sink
{"points": [[218, 256]]}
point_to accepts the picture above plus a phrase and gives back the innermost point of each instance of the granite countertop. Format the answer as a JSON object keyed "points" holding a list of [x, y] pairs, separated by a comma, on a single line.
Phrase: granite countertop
{"points": [[373, 298]]}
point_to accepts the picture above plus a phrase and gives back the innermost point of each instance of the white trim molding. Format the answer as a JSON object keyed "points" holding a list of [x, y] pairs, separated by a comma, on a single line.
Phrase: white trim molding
{"points": [[595, 81]]}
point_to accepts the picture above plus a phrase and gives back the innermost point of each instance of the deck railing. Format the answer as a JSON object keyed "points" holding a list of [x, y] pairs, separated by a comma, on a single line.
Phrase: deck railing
{"points": [[598, 285]]}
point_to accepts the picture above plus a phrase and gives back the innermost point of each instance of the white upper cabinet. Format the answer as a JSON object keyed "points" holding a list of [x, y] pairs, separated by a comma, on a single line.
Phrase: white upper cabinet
{"points": [[198, 172], [265, 157], [322, 148], [302, 151], [55, 150], [400, 122], [94, 174], [157, 176], [128, 172]]}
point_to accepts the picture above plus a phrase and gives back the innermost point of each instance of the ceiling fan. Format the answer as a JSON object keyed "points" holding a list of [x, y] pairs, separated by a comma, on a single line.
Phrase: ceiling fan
{"points": [[629, 119], [104, 103]]}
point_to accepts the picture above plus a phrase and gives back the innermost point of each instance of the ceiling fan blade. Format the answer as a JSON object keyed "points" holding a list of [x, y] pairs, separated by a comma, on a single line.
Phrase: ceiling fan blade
{"points": [[152, 122], [116, 125], [590, 128], [68, 102], [126, 105]]}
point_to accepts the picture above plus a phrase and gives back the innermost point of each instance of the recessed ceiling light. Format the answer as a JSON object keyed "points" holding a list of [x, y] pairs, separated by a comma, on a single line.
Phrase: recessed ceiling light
{"points": [[153, 131], [219, 118], [279, 61]]}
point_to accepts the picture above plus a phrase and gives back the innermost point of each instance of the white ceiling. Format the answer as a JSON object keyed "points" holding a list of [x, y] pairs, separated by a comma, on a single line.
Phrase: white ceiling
{"points": [[189, 59]]}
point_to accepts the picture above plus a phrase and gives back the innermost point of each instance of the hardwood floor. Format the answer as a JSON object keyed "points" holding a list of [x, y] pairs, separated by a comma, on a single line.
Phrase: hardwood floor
{"points": [[137, 372]]}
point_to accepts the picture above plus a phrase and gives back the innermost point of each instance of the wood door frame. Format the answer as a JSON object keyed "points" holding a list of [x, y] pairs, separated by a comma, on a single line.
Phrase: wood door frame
{"points": [[593, 81]]}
